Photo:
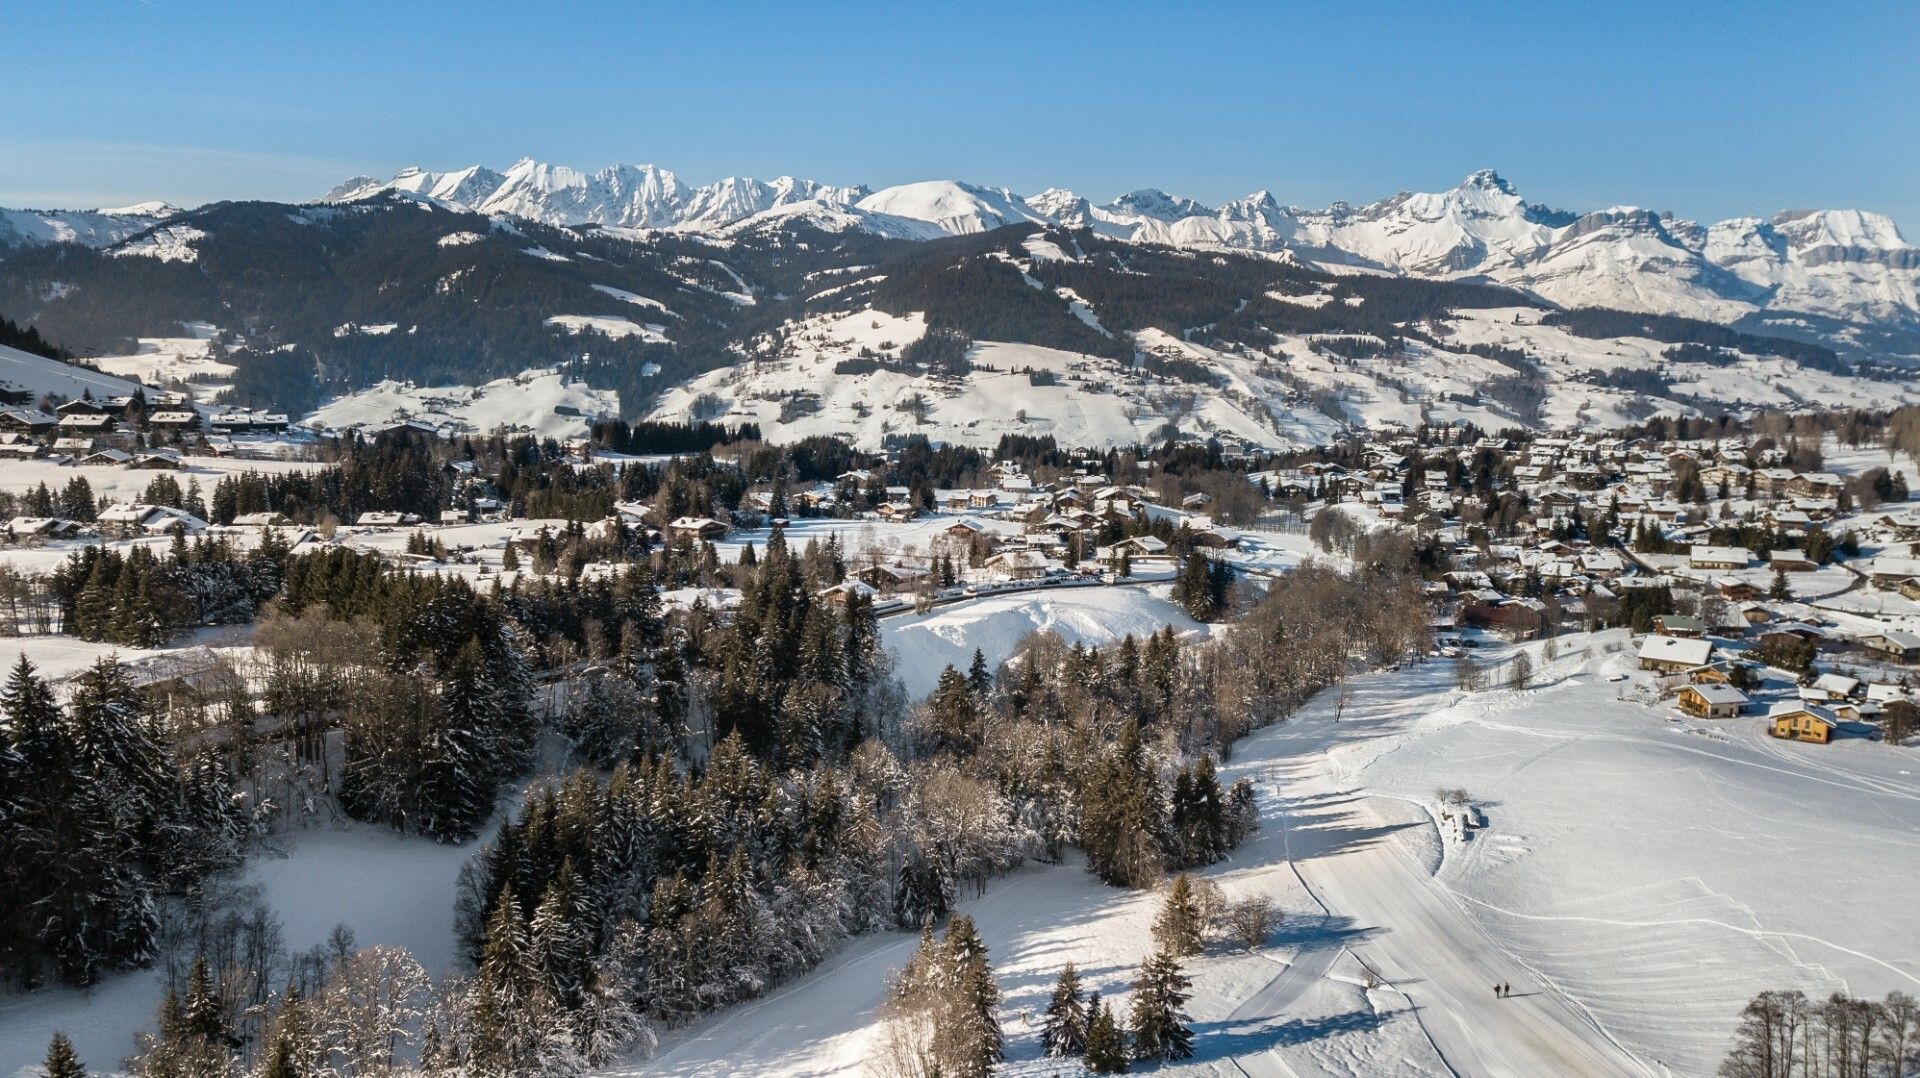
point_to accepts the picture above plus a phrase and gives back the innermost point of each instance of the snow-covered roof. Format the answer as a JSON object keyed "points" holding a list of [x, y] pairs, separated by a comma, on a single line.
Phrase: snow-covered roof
{"points": [[1674, 649]]}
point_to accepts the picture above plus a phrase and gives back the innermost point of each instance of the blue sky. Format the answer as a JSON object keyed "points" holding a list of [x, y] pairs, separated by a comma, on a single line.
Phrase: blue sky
{"points": [[1710, 110]]}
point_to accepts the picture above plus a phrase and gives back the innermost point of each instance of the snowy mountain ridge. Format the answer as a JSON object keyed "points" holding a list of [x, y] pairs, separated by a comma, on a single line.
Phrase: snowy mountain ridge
{"points": [[1851, 265], [89, 228]]}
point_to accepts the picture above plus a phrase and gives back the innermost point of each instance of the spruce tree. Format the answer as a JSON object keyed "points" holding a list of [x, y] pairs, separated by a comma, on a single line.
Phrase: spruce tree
{"points": [[1158, 1022], [952, 715], [61, 1062], [1106, 1041], [968, 1038], [978, 678], [1064, 1029], [1177, 929]]}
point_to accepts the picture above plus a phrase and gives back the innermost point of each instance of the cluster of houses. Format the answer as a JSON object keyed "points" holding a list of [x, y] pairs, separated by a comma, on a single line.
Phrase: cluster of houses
{"points": [[1701, 680], [1520, 585], [110, 430]]}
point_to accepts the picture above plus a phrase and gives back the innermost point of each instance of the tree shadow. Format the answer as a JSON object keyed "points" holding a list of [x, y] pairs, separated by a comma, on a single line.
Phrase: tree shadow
{"points": [[1220, 1040]]}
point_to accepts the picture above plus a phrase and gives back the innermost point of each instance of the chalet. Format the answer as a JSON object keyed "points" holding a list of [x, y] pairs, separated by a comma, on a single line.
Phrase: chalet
{"points": [[1772, 482], [1788, 520], [22, 421], [1673, 654], [696, 529], [1891, 572], [1802, 722], [139, 519], [1711, 701], [1019, 564], [1680, 626], [1910, 588], [176, 421], [86, 423], [261, 520], [1205, 533], [108, 456], [155, 460], [80, 406], [249, 422], [1515, 619], [1904, 525], [893, 579], [1710, 675], [1849, 711], [1893, 646], [897, 512], [1791, 561], [25, 528], [1196, 501], [1139, 546], [966, 528], [1790, 633], [848, 591], [1814, 484], [1718, 557], [386, 518], [1831, 686]]}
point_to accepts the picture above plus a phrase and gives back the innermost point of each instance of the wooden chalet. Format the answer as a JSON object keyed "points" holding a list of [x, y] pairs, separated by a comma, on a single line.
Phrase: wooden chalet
{"points": [[1802, 722]]}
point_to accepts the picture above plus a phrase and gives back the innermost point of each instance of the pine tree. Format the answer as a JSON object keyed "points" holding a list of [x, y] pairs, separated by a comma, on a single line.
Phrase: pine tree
{"points": [[1158, 1022], [1177, 929], [1779, 590], [61, 1062], [1064, 1029], [1106, 1041]]}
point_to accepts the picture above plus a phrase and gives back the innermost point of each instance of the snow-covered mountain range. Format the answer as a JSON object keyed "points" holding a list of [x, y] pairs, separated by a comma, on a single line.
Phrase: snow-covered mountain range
{"points": [[1848, 265]]}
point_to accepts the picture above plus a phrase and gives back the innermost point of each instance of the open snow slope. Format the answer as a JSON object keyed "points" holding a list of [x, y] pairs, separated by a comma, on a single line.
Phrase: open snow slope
{"points": [[925, 645], [541, 402], [28, 373]]}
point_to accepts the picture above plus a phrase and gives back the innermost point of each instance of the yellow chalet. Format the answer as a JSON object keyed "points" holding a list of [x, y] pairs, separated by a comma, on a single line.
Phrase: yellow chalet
{"points": [[1802, 722]]}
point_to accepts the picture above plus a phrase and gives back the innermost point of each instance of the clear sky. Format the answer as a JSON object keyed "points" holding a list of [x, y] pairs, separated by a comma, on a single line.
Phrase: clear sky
{"points": [[1707, 109]]}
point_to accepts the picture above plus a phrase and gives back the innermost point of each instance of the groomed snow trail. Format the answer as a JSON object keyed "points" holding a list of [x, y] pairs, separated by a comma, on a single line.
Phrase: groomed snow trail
{"points": [[1365, 868]]}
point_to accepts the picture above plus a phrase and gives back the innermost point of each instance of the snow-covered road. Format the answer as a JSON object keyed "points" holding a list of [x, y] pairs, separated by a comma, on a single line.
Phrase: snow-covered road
{"points": [[1364, 862]]}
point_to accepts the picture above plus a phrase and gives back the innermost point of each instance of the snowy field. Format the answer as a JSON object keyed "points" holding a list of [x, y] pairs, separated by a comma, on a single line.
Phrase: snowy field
{"points": [[540, 402], [113, 483], [169, 361], [926, 644]]}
